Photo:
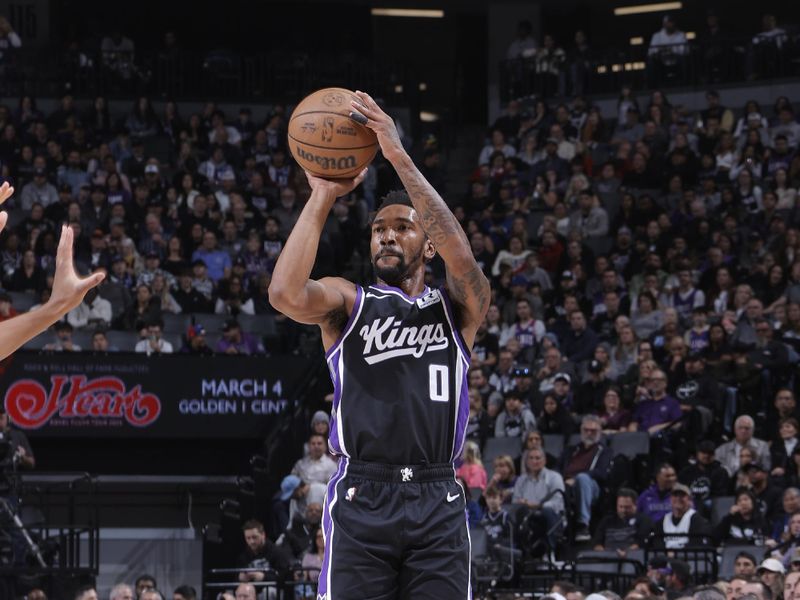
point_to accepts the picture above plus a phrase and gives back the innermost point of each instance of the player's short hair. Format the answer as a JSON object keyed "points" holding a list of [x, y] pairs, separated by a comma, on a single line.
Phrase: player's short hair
{"points": [[253, 524], [395, 197]]}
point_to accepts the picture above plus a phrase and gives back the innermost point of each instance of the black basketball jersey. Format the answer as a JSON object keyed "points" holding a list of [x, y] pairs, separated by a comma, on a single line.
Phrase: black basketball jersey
{"points": [[399, 371]]}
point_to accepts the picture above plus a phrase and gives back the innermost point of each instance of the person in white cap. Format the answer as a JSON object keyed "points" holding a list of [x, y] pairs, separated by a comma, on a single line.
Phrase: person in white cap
{"points": [[771, 573]]}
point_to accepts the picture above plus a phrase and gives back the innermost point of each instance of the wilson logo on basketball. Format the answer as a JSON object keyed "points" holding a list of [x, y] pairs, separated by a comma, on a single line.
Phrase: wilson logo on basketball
{"points": [[342, 163], [385, 339], [30, 406]]}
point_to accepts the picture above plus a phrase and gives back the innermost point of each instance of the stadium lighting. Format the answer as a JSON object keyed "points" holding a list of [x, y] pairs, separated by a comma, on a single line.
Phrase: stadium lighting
{"points": [[690, 35], [637, 41], [423, 13], [639, 9], [428, 117]]}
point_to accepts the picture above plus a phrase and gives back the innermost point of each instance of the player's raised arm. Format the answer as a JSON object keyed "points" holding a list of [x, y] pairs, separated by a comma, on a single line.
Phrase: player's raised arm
{"points": [[466, 283], [291, 291], [68, 292]]}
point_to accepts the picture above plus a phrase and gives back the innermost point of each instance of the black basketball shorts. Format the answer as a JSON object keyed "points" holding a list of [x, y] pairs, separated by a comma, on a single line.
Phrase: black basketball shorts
{"points": [[395, 533]]}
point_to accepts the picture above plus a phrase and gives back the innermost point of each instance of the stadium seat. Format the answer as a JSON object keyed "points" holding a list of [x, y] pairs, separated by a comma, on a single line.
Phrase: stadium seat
{"points": [[125, 341], [553, 444], [259, 325], [82, 338], [175, 323], [630, 443], [599, 245], [212, 323], [497, 446], [720, 506], [39, 342], [22, 301], [479, 543]]}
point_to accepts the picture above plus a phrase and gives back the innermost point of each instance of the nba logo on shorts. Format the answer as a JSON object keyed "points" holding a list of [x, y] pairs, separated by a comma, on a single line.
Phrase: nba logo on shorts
{"points": [[351, 492]]}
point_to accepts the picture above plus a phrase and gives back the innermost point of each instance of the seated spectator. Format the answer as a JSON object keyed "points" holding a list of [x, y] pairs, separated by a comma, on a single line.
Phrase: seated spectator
{"points": [[100, 343], [38, 191], [317, 466], [312, 566], [260, 555], [625, 529], [743, 524], [591, 219], [614, 417], [471, 470], [655, 501], [789, 546], [218, 262], [300, 534], [121, 591], [682, 526], [183, 592], [706, 477], [145, 309], [6, 310], [63, 343], [728, 453], [516, 419], [478, 424], [144, 582], [504, 476], [554, 417], [768, 496], [236, 341], [88, 592], [496, 522], [791, 505], [745, 565], [541, 490], [782, 448], [656, 410], [233, 299], [585, 468], [770, 573], [154, 343], [579, 344], [94, 312]]}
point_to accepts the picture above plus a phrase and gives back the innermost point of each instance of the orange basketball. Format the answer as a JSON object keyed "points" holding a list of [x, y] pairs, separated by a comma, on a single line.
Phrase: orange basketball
{"points": [[325, 141]]}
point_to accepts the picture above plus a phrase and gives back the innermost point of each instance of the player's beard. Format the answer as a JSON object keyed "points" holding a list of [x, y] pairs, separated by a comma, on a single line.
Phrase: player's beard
{"points": [[394, 274]]}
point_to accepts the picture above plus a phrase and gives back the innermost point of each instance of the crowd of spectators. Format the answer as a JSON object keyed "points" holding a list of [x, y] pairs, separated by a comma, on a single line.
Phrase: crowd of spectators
{"points": [[712, 52], [646, 282], [196, 229]]}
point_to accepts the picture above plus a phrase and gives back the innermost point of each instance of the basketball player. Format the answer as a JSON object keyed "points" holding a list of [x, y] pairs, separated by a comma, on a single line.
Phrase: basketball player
{"points": [[68, 292], [398, 353]]}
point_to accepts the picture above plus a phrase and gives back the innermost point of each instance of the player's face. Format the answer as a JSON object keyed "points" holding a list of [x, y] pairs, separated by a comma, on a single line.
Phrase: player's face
{"points": [[399, 245]]}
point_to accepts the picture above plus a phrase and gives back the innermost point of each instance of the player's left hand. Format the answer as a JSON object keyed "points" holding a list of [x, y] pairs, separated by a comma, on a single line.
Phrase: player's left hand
{"points": [[381, 123], [6, 191]]}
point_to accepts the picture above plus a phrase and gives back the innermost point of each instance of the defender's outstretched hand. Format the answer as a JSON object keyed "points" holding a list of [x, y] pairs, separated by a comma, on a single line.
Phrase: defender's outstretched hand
{"points": [[381, 123], [68, 292], [68, 288], [6, 191]]}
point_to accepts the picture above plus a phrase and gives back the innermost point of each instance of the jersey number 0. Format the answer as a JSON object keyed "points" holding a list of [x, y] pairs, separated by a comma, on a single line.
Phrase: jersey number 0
{"points": [[437, 381]]}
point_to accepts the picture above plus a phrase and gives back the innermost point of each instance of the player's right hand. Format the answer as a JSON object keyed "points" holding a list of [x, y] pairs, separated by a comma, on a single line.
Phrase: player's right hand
{"points": [[6, 191], [339, 187]]}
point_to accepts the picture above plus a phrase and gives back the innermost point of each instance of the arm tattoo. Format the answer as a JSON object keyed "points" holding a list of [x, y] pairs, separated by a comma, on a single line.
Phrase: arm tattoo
{"points": [[446, 233]]}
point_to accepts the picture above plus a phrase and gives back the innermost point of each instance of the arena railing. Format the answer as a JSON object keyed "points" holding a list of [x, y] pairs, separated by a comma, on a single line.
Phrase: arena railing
{"points": [[213, 75], [695, 63]]}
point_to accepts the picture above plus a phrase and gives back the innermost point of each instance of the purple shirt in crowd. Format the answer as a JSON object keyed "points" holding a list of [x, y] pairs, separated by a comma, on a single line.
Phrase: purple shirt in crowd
{"points": [[656, 412]]}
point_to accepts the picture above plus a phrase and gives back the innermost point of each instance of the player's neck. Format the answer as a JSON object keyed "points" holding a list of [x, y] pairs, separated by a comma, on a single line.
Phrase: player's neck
{"points": [[411, 286]]}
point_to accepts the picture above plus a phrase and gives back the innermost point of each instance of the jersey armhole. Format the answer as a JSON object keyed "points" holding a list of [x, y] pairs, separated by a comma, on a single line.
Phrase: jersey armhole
{"points": [[453, 322], [351, 321]]}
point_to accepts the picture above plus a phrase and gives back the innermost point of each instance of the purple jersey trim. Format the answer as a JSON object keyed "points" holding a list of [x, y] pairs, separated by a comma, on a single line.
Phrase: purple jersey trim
{"points": [[350, 322], [389, 288], [448, 307]]}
